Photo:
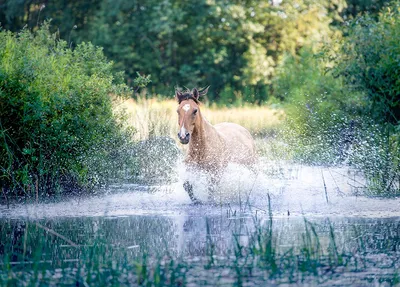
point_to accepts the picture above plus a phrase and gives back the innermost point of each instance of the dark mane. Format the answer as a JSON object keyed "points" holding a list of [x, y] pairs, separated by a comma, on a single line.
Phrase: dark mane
{"points": [[190, 94], [187, 95]]}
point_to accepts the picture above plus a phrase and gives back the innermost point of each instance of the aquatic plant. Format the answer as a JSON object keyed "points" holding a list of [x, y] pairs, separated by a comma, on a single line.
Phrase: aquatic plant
{"points": [[41, 251]]}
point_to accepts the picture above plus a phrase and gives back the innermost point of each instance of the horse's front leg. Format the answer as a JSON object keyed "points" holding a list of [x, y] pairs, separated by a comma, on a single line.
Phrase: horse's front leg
{"points": [[189, 189]]}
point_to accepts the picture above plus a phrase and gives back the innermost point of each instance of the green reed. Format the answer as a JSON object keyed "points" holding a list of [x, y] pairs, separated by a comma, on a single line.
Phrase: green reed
{"points": [[35, 253]]}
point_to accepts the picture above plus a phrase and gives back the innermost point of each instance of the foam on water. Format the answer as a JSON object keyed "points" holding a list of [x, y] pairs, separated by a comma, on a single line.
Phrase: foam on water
{"points": [[237, 184], [294, 189]]}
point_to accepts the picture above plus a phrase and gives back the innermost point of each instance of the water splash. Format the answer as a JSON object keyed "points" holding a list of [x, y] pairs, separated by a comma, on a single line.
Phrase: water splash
{"points": [[294, 189]]}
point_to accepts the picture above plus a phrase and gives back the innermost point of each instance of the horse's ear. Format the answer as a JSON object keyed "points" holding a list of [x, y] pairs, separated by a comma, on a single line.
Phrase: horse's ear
{"points": [[178, 95], [204, 91], [196, 94]]}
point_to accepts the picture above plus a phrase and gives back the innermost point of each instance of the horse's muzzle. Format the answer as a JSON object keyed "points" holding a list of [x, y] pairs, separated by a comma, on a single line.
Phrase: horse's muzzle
{"points": [[184, 139]]}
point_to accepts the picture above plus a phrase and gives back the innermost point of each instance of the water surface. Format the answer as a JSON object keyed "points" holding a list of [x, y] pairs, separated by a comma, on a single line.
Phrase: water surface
{"points": [[139, 219]]}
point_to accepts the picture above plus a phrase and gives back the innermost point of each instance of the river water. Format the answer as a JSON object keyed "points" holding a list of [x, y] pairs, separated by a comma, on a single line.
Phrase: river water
{"points": [[161, 218]]}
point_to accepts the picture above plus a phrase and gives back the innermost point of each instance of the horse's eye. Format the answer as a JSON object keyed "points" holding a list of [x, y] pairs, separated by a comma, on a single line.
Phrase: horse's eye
{"points": [[195, 111]]}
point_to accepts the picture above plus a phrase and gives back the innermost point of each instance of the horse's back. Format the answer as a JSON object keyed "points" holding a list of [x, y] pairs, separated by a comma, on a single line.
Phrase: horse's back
{"points": [[239, 142]]}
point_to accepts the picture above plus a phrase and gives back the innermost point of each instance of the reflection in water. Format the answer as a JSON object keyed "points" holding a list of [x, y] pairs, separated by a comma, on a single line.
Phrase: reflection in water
{"points": [[155, 221], [114, 244], [185, 235]]}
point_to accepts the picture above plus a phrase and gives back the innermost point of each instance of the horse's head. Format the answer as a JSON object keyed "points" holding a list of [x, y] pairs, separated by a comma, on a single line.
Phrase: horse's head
{"points": [[188, 112]]}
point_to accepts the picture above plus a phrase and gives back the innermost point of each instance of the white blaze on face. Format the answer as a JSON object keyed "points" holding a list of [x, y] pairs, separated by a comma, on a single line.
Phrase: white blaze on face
{"points": [[182, 132]]}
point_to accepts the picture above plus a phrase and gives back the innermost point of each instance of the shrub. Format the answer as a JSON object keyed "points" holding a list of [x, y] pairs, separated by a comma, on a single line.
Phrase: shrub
{"points": [[58, 131], [320, 111], [350, 113], [369, 61]]}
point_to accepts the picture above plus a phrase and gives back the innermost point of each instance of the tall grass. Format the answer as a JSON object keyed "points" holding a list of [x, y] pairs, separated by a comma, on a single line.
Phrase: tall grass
{"points": [[157, 117]]}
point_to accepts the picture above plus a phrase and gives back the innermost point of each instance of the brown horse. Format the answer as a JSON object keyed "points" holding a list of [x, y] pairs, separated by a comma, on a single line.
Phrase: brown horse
{"points": [[211, 148]]}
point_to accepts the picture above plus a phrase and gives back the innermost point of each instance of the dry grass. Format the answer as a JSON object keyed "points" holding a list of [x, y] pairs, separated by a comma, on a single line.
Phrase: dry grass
{"points": [[154, 117], [259, 120]]}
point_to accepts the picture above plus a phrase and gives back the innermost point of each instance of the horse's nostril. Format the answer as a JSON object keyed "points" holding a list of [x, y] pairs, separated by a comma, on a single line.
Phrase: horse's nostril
{"points": [[186, 136]]}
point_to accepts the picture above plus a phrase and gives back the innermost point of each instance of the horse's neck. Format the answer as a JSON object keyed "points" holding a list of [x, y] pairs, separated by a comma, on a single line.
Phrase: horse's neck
{"points": [[202, 137]]}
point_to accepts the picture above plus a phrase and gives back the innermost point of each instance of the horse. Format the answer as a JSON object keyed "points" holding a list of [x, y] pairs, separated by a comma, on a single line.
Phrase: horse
{"points": [[211, 148]]}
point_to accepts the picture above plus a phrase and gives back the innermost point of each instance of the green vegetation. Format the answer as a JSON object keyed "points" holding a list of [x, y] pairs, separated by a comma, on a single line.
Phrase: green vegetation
{"points": [[321, 111], [369, 63], [343, 105], [329, 70], [58, 130], [332, 66], [234, 46], [54, 252]]}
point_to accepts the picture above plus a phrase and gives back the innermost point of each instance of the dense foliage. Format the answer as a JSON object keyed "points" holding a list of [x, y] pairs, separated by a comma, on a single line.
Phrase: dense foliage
{"points": [[344, 103], [321, 112], [234, 46], [369, 63], [57, 127], [355, 8], [332, 63]]}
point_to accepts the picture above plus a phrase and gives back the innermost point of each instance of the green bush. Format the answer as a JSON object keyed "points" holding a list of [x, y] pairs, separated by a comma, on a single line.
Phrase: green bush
{"points": [[369, 61], [320, 111], [58, 131], [349, 113]]}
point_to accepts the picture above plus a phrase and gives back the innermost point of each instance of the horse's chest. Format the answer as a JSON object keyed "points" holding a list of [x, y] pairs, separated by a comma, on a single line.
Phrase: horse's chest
{"points": [[209, 162]]}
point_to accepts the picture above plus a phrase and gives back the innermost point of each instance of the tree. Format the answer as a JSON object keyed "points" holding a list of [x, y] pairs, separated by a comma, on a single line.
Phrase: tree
{"points": [[369, 62], [230, 45]]}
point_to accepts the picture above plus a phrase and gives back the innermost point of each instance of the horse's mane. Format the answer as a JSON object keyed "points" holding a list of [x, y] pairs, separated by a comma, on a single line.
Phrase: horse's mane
{"points": [[187, 95]]}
